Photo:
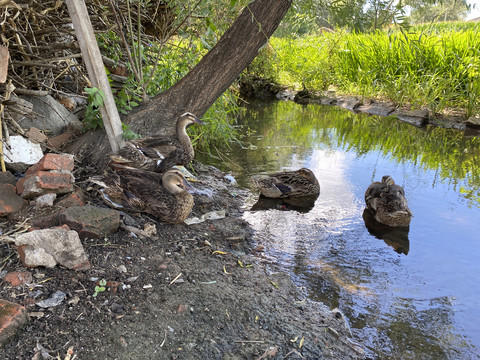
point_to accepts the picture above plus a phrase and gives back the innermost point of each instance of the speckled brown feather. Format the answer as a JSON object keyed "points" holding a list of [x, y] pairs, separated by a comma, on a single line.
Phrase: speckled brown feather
{"points": [[159, 153], [387, 202], [141, 191]]}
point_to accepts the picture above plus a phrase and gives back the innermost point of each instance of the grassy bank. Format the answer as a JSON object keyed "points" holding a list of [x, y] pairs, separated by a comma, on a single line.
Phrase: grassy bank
{"points": [[436, 67]]}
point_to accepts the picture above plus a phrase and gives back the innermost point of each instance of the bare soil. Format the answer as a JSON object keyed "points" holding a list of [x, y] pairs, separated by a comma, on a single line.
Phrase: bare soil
{"points": [[198, 291]]}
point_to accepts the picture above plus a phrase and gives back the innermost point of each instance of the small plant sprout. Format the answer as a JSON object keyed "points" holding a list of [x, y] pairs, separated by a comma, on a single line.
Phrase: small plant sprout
{"points": [[100, 287]]}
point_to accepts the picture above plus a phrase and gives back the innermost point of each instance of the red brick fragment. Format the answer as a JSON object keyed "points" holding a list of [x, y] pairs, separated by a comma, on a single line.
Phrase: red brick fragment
{"points": [[10, 202], [52, 162], [45, 182], [12, 318], [18, 278], [54, 180], [59, 140], [36, 135], [75, 199]]}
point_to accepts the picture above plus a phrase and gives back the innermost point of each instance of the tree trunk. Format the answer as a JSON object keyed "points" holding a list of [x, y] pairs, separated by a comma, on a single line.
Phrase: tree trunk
{"points": [[199, 89], [217, 70]]}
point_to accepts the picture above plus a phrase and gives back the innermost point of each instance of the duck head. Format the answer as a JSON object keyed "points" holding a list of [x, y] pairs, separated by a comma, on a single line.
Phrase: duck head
{"points": [[387, 180], [174, 182], [187, 119], [308, 174]]}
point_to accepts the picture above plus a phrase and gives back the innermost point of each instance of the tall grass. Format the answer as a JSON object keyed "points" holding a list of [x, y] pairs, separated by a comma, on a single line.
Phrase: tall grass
{"points": [[440, 69]]}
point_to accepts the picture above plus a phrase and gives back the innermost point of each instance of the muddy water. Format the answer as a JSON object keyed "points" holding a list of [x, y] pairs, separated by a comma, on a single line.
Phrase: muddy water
{"points": [[407, 294]]}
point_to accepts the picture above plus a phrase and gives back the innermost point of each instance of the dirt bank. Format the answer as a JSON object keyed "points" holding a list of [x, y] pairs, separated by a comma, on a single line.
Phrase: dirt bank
{"points": [[198, 291]]}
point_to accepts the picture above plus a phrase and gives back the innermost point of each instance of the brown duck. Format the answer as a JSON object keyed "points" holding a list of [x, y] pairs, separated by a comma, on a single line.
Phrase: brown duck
{"points": [[159, 153], [387, 202], [289, 184], [165, 197]]}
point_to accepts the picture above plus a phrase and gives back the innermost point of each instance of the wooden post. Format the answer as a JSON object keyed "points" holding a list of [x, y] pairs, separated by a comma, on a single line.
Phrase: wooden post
{"points": [[96, 70]]}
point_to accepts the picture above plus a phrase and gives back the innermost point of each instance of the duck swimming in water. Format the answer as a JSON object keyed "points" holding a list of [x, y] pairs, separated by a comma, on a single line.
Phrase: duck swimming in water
{"points": [[387, 202], [165, 197], [159, 153], [289, 184]]}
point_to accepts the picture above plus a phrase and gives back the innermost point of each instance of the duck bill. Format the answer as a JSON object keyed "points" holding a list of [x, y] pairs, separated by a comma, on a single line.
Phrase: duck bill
{"points": [[187, 186], [198, 121]]}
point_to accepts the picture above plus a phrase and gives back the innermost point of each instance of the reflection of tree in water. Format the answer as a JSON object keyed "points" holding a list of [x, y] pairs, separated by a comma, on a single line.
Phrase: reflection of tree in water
{"points": [[395, 327], [396, 237], [281, 130], [421, 329]]}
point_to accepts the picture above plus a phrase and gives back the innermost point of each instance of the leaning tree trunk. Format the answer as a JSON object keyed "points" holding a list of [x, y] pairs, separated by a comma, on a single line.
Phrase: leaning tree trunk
{"points": [[198, 90], [217, 70]]}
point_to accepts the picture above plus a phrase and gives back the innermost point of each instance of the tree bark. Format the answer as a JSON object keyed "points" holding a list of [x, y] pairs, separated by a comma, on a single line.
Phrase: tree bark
{"points": [[199, 89], [217, 70]]}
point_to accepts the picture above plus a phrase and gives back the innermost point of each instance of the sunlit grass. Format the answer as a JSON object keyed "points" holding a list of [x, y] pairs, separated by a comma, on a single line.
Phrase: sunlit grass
{"points": [[437, 67]]}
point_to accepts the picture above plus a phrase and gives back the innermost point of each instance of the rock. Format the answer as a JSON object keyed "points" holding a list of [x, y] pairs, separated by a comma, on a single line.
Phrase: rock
{"points": [[473, 121], [328, 101], [54, 300], [59, 140], [372, 109], [43, 182], [45, 200], [10, 202], [7, 178], [53, 162], [349, 103], [19, 278], [77, 198], [75, 127], [414, 117], [22, 153], [49, 247], [52, 116], [36, 135], [285, 95], [12, 318], [91, 221]]}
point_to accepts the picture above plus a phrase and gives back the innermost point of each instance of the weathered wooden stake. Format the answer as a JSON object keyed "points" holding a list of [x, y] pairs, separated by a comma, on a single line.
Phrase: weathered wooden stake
{"points": [[96, 70]]}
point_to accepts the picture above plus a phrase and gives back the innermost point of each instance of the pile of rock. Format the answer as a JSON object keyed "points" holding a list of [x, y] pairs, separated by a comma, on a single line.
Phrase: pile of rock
{"points": [[54, 238]]}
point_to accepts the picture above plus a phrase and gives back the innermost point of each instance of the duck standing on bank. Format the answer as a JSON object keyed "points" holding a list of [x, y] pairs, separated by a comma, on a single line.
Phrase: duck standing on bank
{"points": [[159, 153], [289, 184], [387, 202], [165, 197]]}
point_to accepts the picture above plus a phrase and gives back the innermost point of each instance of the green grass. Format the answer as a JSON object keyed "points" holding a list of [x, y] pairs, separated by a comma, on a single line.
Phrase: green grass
{"points": [[438, 68]]}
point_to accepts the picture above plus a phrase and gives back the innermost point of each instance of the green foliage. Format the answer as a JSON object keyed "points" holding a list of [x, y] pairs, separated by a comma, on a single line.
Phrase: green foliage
{"points": [[219, 131], [93, 120], [438, 68], [183, 34], [100, 287]]}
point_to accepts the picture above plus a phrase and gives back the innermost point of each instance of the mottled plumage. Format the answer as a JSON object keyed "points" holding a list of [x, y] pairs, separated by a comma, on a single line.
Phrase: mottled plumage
{"points": [[387, 202], [289, 184], [165, 197], [159, 153]]}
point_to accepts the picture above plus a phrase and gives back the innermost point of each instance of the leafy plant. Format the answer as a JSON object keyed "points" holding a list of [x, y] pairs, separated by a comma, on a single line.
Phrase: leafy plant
{"points": [[100, 287], [93, 120]]}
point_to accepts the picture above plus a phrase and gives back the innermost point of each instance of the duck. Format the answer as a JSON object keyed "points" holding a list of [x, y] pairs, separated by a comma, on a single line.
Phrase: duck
{"points": [[164, 196], [159, 153], [386, 200], [289, 184]]}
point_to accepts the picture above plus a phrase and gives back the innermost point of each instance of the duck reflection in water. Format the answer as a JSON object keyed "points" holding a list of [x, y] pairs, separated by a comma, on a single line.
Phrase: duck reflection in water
{"points": [[396, 237], [289, 190], [301, 204]]}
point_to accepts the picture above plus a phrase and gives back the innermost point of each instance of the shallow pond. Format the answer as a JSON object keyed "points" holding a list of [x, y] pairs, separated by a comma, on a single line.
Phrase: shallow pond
{"points": [[407, 295]]}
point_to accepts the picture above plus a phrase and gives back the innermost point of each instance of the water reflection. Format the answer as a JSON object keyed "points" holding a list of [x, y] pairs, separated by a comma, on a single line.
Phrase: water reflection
{"points": [[301, 204], [420, 306], [396, 237]]}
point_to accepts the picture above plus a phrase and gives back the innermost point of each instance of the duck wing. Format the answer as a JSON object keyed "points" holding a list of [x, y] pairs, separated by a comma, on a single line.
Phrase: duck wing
{"points": [[293, 184]]}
